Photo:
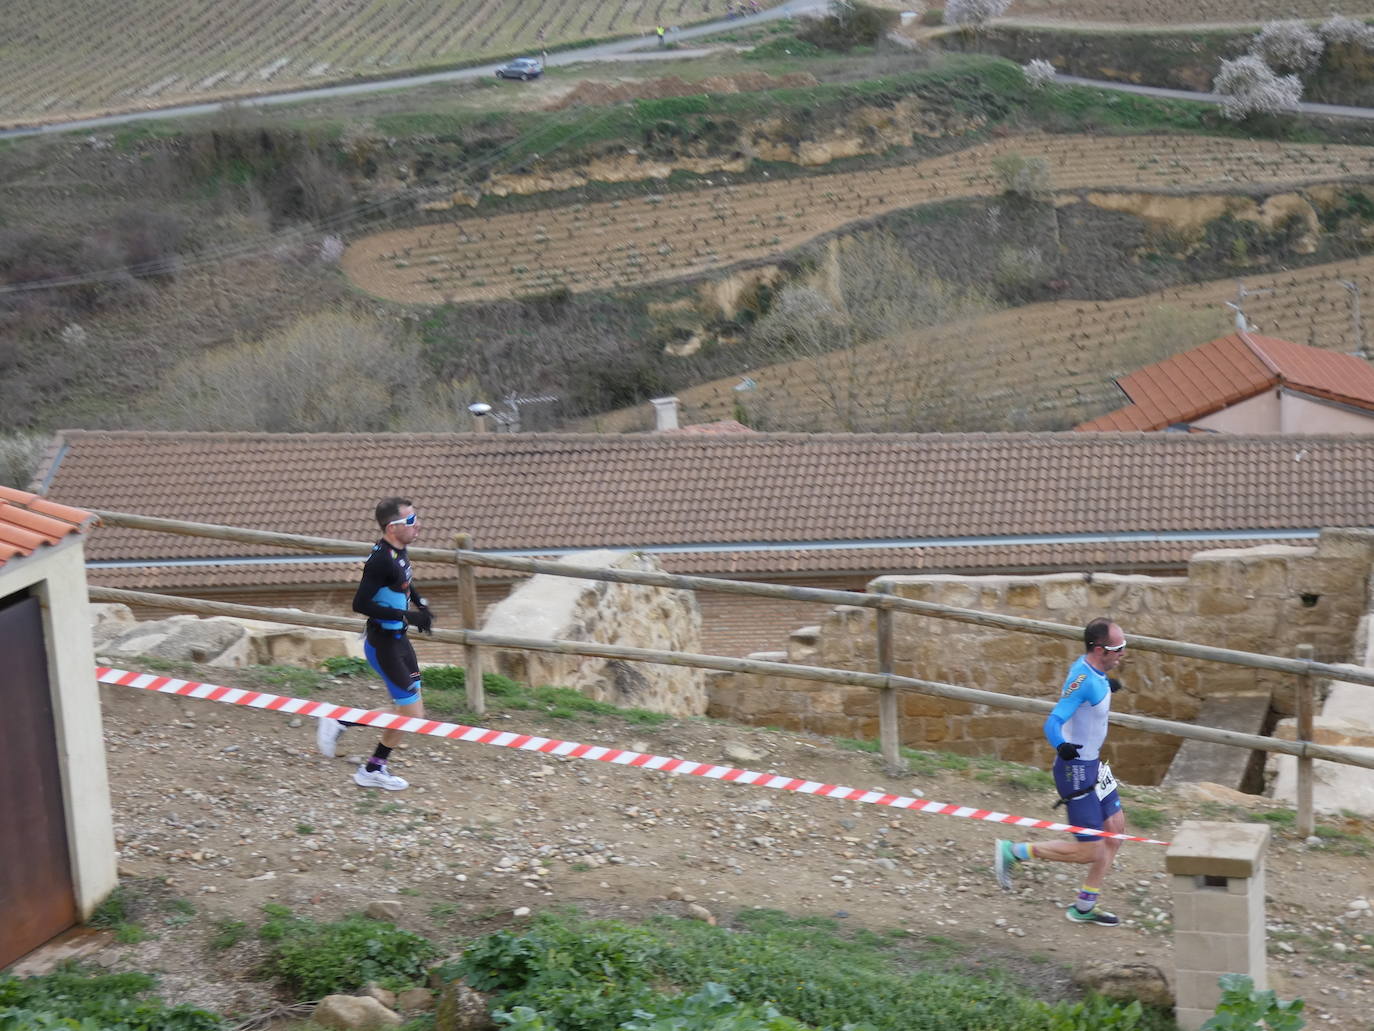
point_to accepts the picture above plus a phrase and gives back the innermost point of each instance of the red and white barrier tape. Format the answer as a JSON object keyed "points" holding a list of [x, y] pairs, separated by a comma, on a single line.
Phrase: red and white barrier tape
{"points": [[552, 746]]}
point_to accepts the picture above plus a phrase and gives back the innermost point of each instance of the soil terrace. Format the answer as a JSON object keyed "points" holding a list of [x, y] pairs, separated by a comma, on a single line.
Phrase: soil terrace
{"points": [[666, 236]]}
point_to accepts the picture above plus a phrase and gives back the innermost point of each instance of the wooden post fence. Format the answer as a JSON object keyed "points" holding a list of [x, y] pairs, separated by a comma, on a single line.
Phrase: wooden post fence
{"points": [[1307, 823], [889, 716], [467, 610]]}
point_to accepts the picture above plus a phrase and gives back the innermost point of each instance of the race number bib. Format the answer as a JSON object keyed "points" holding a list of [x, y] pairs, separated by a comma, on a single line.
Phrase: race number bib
{"points": [[1106, 783]]}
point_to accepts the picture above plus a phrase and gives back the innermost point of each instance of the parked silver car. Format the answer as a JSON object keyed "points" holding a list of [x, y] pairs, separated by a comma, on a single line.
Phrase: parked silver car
{"points": [[524, 68]]}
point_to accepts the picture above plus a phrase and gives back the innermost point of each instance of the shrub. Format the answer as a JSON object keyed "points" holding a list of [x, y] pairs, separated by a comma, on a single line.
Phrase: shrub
{"points": [[328, 372], [1340, 30], [1243, 1009], [1287, 46], [19, 457], [314, 960], [847, 25], [1038, 73], [1026, 177], [974, 14], [1249, 86]]}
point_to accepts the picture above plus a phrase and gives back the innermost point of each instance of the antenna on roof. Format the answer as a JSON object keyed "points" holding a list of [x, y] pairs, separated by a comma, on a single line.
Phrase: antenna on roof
{"points": [[1243, 325], [506, 422]]}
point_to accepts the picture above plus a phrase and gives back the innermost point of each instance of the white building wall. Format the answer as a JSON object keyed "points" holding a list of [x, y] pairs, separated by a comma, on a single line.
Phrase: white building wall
{"points": [[1278, 411], [58, 576]]}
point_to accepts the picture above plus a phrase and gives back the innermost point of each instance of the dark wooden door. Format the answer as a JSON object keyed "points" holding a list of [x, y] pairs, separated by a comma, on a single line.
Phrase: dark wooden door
{"points": [[36, 893]]}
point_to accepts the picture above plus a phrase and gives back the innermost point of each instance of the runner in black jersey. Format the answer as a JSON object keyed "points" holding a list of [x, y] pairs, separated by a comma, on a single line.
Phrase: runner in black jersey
{"points": [[1077, 729], [388, 597]]}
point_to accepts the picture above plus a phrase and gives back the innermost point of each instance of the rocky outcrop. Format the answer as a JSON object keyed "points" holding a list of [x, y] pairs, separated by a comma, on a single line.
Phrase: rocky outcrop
{"points": [[566, 608], [217, 641]]}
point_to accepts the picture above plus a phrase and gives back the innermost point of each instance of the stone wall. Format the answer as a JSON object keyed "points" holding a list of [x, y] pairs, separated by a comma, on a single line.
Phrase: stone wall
{"points": [[1266, 599], [593, 610]]}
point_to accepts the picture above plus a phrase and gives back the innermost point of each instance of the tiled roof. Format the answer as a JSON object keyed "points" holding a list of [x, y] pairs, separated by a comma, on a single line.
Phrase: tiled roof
{"points": [[28, 522], [712, 428], [925, 496], [1230, 369]]}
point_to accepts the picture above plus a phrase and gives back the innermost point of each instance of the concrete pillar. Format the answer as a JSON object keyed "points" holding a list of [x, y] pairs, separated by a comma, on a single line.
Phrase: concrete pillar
{"points": [[1218, 881]]}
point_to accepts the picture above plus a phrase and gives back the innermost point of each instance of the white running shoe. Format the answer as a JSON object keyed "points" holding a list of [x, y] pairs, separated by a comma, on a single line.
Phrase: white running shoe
{"points": [[327, 735], [379, 779]]}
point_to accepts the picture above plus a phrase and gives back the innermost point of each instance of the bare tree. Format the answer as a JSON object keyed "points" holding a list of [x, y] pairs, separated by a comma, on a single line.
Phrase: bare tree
{"points": [[329, 372]]}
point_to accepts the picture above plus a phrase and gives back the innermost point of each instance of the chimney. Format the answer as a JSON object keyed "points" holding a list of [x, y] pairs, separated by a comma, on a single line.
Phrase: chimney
{"points": [[665, 413]]}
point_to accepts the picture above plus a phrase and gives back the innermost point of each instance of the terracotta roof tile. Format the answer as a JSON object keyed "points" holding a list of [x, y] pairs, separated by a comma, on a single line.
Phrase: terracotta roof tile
{"points": [[543, 493], [28, 522], [1222, 372]]}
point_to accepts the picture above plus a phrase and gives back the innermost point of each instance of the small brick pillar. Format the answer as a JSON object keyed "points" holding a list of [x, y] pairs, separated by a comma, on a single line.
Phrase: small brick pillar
{"points": [[1218, 881]]}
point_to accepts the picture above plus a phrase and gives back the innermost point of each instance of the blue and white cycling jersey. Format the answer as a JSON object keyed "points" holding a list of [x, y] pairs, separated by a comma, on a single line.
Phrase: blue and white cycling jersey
{"points": [[1081, 713]]}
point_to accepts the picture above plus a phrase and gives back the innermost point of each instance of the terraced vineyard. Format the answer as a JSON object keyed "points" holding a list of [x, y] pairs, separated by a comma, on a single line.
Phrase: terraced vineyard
{"points": [[662, 237], [1037, 367], [62, 58], [1167, 13]]}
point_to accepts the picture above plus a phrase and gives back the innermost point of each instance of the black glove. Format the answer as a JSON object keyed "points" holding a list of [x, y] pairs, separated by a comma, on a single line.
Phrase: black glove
{"points": [[1068, 750], [1114, 684], [421, 620]]}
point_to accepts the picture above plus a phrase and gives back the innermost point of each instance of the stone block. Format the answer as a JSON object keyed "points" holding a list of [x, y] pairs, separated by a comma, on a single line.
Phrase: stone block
{"points": [[1217, 849], [1212, 952], [1220, 602], [1190, 1018], [1065, 595], [1023, 595]]}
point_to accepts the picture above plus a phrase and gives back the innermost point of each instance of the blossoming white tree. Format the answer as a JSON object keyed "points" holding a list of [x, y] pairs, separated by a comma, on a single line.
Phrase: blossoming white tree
{"points": [[1289, 46], [1249, 86], [1340, 29], [974, 13], [1038, 73]]}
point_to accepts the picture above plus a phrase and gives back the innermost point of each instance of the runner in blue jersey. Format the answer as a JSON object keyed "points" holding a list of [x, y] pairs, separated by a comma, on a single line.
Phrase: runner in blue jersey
{"points": [[1077, 728], [386, 595]]}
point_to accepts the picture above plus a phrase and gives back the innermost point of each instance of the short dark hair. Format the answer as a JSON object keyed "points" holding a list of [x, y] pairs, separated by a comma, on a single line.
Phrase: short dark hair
{"points": [[1096, 633], [389, 508]]}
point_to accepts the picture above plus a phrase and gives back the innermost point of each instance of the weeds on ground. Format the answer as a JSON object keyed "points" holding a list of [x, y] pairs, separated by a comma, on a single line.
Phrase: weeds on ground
{"points": [[78, 998], [576, 974], [312, 960]]}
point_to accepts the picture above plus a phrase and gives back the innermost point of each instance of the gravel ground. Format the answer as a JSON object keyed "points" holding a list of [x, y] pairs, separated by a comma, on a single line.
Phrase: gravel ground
{"points": [[229, 808]]}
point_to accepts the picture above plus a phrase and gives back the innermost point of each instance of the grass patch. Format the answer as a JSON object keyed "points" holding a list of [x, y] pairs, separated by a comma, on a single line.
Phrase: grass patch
{"points": [[1148, 819], [507, 694], [575, 974], [77, 998]]}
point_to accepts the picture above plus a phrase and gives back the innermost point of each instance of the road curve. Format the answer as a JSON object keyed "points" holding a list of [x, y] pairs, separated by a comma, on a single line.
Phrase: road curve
{"points": [[619, 49]]}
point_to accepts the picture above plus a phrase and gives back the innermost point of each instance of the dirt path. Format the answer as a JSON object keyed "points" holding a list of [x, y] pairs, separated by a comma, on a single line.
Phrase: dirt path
{"points": [[230, 808]]}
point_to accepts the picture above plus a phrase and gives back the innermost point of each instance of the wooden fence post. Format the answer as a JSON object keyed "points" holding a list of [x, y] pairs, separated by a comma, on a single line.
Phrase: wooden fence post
{"points": [[1307, 823], [467, 611], [889, 719]]}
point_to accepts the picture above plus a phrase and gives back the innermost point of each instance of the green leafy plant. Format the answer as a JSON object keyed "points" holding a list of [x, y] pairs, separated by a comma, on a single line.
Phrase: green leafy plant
{"points": [[82, 999], [228, 933], [1242, 1008], [313, 960], [573, 974]]}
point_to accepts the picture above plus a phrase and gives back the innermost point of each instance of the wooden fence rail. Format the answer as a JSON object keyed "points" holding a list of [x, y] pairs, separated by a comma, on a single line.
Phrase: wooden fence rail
{"points": [[467, 561]]}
